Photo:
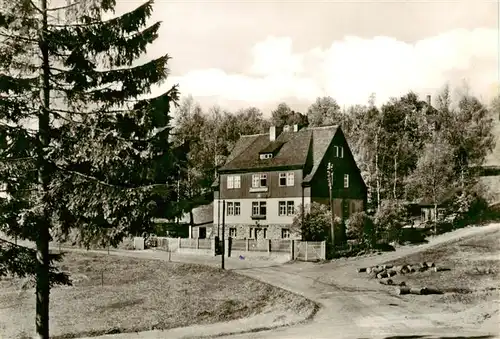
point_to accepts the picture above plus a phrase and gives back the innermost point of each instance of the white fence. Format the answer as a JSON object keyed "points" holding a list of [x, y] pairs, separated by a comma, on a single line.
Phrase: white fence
{"points": [[297, 249], [309, 250]]}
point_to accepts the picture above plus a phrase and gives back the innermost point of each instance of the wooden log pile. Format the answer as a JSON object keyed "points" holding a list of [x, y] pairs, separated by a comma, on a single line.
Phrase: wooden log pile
{"points": [[418, 290], [384, 273], [389, 270]]}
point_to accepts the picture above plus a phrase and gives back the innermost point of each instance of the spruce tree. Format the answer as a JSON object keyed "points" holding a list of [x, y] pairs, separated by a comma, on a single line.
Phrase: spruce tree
{"points": [[81, 146]]}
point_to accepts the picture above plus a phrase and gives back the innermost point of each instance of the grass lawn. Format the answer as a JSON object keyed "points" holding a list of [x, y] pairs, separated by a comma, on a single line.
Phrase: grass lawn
{"points": [[473, 269], [118, 294]]}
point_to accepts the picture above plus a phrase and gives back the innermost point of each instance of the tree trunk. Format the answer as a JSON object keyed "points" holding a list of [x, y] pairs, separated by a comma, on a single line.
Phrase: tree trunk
{"points": [[377, 172], [394, 188], [43, 236]]}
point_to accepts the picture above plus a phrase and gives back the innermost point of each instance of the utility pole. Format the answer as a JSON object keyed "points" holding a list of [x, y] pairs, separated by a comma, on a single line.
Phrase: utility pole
{"points": [[330, 190], [223, 237]]}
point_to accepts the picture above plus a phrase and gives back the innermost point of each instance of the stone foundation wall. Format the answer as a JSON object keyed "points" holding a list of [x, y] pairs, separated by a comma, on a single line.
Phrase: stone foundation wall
{"points": [[273, 231]]}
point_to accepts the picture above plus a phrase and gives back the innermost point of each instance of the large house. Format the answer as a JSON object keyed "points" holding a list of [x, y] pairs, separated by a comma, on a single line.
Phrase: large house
{"points": [[267, 177]]}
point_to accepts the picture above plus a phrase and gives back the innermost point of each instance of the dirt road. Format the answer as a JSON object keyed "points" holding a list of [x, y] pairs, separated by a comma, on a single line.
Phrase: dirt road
{"points": [[355, 308], [351, 306]]}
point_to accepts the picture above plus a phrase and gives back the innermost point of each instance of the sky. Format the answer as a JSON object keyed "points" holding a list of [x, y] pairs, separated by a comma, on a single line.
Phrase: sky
{"points": [[237, 54]]}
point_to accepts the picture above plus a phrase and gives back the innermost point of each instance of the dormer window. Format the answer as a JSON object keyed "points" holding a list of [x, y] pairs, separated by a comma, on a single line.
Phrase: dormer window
{"points": [[271, 150]]}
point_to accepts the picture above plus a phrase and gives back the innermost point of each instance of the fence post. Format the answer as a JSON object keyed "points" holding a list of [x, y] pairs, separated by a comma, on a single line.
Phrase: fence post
{"points": [[197, 243], [227, 246], [323, 250], [268, 245], [306, 250], [179, 242], [247, 244], [212, 246], [292, 249]]}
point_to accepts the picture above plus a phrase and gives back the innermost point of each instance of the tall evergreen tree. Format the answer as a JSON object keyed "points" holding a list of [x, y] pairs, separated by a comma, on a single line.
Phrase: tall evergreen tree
{"points": [[80, 146]]}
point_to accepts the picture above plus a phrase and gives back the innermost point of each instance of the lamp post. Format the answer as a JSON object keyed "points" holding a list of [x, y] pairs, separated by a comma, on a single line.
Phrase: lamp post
{"points": [[329, 171]]}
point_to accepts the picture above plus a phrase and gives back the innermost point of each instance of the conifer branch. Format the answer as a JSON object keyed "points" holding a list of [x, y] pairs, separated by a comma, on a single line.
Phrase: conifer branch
{"points": [[17, 37], [5, 241], [35, 7], [10, 159], [107, 184], [54, 9], [144, 10]]}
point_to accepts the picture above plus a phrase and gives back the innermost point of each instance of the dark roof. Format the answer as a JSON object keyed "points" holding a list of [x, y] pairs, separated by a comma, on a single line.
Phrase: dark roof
{"points": [[272, 147], [321, 140], [296, 148]]}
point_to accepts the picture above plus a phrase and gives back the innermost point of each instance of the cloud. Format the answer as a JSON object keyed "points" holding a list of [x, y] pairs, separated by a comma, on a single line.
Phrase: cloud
{"points": [[353, 68]]}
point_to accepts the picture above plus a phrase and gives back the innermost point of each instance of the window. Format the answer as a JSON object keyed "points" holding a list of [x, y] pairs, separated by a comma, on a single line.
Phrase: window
{"points": [[285, 233], [255, 208], [339, 151], [230, 208], [237, 181], [290, 208], [259, 208], [232, 232], [346, 180], [286, 208], [282, 179], [233, 208], [287, 179], [282, 208], [233, 181], [255, 180], [259, 180]]}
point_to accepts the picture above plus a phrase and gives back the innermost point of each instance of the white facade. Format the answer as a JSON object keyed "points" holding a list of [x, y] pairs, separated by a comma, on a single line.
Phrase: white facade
{"points": [[272, 215]]}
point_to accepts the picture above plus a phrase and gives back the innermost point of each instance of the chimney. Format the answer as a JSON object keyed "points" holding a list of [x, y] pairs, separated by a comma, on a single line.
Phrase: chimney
{"points": [[274, 132], [429, 100]]}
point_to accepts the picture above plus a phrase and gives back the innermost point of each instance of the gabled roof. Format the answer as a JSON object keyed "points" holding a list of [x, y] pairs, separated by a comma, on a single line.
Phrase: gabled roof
{"points": [[291, 149], [321, 140]]}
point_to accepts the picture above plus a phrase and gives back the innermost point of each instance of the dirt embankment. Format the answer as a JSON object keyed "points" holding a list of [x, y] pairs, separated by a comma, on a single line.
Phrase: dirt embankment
{"points": [[112, 294]]}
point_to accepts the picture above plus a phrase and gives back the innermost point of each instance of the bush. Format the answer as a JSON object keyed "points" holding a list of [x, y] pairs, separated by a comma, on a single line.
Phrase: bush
{"points": [[150, 241], [469, 208], [362, 229], [389, 221], [317, 223]]}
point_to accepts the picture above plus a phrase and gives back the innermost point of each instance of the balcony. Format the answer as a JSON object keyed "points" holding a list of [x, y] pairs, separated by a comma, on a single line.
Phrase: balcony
{"points": [[258, 189]]}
